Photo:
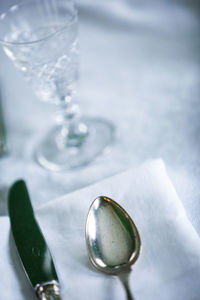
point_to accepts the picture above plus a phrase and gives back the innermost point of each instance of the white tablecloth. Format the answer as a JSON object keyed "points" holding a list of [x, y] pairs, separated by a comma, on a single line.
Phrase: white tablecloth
{"points": [[140, 69], [168, 267]]}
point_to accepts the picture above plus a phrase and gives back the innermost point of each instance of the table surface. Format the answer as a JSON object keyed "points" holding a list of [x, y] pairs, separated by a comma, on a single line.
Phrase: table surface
{"points": [[140, 68]]}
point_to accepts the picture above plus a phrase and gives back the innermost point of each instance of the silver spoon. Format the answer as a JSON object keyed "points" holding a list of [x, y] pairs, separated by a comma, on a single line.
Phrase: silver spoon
{"points": [[112, 239]]}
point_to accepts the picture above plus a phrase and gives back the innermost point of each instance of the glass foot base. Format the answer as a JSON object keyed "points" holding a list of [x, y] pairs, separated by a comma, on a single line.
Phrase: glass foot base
{"points": [[53, 157]]}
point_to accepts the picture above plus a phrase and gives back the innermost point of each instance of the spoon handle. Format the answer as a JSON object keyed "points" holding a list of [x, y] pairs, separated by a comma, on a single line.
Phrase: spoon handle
{"points": [[129, 296], [124, 278]]}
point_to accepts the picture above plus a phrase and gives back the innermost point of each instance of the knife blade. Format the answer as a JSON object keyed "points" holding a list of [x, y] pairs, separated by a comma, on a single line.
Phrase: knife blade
{"points": [[31, 245]]}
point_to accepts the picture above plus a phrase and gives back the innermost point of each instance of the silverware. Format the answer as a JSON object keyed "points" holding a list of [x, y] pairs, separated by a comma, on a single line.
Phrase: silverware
{"points": [[32, 248], [112, 239], [3, 145]]}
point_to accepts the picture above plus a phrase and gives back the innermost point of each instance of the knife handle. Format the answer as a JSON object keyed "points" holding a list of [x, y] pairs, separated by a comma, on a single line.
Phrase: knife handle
{"points": [[48, 291], [50, 297]]}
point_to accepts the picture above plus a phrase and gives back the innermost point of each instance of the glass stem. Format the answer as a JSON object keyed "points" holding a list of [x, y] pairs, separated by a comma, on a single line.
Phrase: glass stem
{"points": [[72, 130]]}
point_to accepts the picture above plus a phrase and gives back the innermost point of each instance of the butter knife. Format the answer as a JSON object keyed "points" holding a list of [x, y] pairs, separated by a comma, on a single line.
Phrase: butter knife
{"points": [[32, 248]]}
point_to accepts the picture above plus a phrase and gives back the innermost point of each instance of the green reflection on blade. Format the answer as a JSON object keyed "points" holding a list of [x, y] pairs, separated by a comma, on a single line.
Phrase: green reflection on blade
{"points": [[31, 245]]}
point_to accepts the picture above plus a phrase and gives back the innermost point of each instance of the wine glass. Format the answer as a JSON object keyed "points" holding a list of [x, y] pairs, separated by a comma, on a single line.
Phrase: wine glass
{"points": [[41, 38]]}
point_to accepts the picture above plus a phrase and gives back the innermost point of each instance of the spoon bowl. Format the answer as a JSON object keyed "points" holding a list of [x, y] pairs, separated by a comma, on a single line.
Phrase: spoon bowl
{"points": [[112, 239]]}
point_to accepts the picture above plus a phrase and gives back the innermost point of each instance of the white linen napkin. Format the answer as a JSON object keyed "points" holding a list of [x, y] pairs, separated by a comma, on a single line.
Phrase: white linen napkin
{"points": [[168, 267]]}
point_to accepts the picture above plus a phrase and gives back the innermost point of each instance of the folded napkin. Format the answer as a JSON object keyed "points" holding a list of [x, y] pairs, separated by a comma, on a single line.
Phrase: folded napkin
{"points": [[167, 269]]}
